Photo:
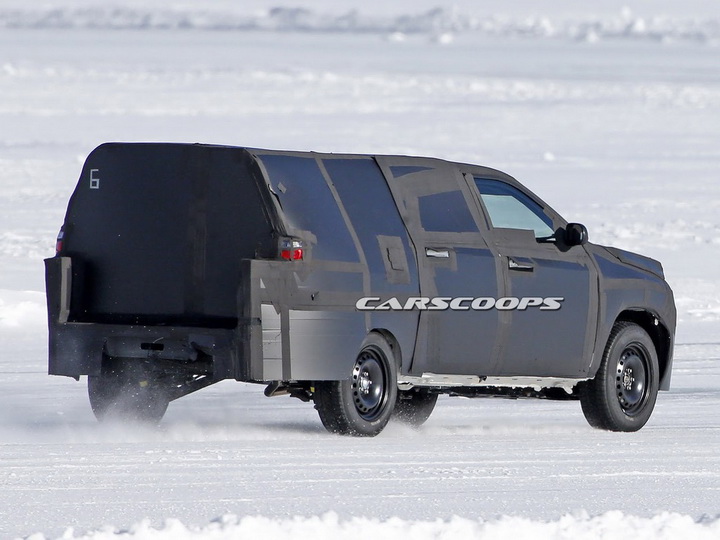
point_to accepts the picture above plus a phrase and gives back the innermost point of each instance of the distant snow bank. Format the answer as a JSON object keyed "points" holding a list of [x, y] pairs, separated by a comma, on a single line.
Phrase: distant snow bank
{"points": [[437, 22], [329, 527], [22, 309]]}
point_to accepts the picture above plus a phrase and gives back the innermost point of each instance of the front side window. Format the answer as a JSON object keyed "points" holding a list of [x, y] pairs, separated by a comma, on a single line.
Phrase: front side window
{"points": [[510, 208]]}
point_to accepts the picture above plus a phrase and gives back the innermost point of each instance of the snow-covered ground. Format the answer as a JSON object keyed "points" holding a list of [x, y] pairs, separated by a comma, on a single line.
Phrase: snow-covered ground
{"points": [[611, 113]]}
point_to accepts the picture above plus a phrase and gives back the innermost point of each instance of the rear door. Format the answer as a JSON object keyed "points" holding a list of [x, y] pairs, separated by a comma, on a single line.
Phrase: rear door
{"points": [[455, 266], [550, 291]]}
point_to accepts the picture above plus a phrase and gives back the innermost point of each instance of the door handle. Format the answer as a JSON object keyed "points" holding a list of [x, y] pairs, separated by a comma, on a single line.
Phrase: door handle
{"points": [[437, 253], [520, 266]]}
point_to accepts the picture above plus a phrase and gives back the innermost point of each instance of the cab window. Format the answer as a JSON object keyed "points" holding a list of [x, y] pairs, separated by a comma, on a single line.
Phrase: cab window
{"points": [[510, 208], [446, 212]]}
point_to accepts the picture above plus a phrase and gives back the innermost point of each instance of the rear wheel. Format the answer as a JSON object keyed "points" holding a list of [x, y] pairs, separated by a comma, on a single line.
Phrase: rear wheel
{"points": [[622, 395], [362, 404], [127, 389], [414, 406]]}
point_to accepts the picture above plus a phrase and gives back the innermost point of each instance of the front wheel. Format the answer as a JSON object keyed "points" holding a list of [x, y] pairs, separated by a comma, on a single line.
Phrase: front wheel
{"points": [[127, 390], [622, 395], [361, 405]]}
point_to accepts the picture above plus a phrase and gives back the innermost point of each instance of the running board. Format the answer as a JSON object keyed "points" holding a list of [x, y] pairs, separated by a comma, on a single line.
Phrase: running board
{"points": [[406, 382]]}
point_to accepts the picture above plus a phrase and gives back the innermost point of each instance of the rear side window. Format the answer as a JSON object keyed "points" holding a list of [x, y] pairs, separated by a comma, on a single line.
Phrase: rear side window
{"points": [[446, 212], [510, 208]]}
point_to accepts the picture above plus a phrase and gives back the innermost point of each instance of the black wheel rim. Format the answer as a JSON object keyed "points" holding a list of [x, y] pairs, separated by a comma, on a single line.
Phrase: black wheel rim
{"points": [[369, 385], [631, 379]]}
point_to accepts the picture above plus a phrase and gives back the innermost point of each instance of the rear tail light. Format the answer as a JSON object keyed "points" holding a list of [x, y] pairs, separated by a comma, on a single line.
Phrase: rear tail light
{"points": [[291, 249], [59, 242]]}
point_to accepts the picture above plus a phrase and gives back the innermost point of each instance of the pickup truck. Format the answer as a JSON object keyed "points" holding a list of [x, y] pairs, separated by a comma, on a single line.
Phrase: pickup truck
{"points": [[366, 284]]}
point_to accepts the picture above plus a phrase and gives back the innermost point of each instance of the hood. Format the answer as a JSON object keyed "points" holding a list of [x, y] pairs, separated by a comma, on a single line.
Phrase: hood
{"points": [[638, 261]]}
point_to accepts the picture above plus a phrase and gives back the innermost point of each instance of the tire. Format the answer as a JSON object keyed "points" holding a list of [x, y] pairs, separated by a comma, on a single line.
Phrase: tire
{"points": [[126, 390], [413, 407], [622, 395], [361, 405]]}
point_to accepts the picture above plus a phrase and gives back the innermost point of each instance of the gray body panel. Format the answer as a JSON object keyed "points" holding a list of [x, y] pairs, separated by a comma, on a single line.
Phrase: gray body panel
{"points": [[371, 226]]}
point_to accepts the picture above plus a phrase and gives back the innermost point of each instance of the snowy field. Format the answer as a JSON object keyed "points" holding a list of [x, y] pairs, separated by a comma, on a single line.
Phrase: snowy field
{"points": [[611, 113]]}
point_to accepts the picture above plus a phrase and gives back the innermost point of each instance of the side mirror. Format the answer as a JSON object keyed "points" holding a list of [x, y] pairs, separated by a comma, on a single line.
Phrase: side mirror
{"points": [[576, 234]]}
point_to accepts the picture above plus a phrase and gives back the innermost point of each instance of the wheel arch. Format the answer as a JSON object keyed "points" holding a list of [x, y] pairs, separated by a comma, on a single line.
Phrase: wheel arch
{"points": [[393, 342], [660, 336]]}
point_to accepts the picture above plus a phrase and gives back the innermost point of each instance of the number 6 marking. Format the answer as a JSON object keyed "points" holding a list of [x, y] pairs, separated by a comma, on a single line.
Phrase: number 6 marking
{"points": [[94, 179]]}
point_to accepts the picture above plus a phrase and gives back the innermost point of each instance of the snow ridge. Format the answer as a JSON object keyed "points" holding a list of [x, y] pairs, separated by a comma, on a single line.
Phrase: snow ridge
{"points": [[613, 524], [435, 22]]}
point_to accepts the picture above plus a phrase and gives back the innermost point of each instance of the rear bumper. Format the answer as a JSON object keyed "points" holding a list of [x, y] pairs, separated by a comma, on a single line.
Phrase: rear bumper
{"points": [[77, 349]]}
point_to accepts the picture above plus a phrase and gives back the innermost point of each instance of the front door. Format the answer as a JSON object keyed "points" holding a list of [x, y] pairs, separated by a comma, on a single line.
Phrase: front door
{"points": [[550, 291]]}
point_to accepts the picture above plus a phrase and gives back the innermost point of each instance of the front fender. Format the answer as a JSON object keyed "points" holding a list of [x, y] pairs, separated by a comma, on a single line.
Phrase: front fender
{"points": [[630, 293]]}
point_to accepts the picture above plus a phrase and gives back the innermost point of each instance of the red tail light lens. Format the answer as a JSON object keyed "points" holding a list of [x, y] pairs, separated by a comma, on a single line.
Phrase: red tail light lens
{"points": [[291, 249], [59, 242]]}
